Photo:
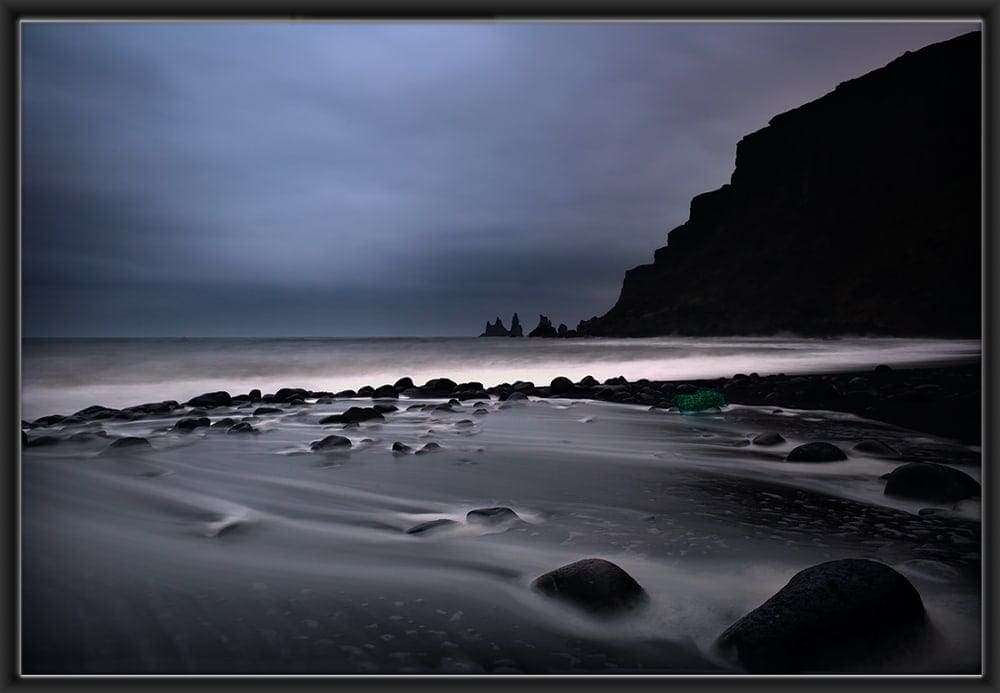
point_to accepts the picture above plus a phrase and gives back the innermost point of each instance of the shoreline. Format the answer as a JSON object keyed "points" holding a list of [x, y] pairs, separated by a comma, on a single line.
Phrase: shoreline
{"points": [[939, 400]]}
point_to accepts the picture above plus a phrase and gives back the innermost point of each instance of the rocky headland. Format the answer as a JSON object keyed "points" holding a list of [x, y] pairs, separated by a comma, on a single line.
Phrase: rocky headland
{"points": [[857, 213]]}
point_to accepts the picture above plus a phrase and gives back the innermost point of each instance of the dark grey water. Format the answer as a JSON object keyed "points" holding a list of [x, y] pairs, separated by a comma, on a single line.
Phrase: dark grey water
{"points": [[63, 376]]}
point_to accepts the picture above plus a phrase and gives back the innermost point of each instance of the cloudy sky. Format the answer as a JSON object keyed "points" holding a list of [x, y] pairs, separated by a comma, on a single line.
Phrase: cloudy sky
{"points": [[385, 179]]}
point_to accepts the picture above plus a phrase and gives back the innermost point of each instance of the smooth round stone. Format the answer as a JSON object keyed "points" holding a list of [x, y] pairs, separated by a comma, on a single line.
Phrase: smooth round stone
{"points": [[816, 452], [592, 584], [827, 616], [769, 438], [330, 442], [495, 515], [929, 481]]}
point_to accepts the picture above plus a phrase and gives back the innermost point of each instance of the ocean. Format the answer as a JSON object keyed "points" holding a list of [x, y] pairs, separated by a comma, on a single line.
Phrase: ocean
{"points": [[61, 376]]}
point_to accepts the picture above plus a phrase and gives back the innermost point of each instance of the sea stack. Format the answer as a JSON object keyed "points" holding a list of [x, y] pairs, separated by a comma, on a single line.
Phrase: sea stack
{"points": [[544, 328], [515, 327], [495, 329]]}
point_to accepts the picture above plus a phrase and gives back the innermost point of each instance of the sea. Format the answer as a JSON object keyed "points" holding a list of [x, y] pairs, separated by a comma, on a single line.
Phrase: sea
{"points": [[61, 376]]}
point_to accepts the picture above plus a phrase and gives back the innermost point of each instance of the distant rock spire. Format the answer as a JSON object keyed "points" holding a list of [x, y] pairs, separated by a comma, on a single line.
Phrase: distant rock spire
{"points": [[515, 327], [495, 330], [544, 328]]}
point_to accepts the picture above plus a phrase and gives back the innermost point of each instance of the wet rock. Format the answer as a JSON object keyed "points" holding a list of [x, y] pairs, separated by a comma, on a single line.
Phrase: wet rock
{"points": [[346, 394], [211, 399], [224, 423], [48, 420], [385, 408], [432, 525], [354, 415], [593, 584], [287, 394], [560, 385], [464, 423], [428, 447], [588, 381], [130, 442], [255, 395], [190, 424], [403, 384], [686, 389], [816, 452], [439, 386], [827, 616], [148, 408], [261, 411], [491, 516], [876, 447], [928, 481], [41, 441], [385, 392], [96, 412], [330, 443], [241, 427], [401, 447], [769, 438]]}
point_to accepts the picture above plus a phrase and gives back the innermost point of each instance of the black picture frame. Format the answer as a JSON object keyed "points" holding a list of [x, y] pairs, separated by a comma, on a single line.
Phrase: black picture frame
{"points": [[12, 11]]}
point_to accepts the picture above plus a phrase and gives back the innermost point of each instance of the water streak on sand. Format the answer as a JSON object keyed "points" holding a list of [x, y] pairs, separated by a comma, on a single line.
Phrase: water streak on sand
{"points": [[63, 376]]}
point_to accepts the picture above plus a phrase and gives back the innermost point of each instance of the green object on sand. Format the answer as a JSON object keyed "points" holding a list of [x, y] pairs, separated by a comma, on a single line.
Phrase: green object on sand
{"points": [[700, 400]]}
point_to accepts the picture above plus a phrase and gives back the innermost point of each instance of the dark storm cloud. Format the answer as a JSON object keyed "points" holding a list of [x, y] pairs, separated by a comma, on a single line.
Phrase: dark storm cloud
{"points": [[328, 179]]}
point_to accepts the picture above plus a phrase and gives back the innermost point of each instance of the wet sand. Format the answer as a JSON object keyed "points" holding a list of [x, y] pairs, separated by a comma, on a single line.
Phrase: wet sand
{"points": [[210, 552]]}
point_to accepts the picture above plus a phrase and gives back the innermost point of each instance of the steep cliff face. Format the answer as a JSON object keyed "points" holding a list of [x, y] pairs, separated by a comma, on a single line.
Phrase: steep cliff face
{"points": [[856, 213]]}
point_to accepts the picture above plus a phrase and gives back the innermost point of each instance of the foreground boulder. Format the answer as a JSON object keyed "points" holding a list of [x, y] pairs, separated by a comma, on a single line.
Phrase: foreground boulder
{"points": [[929, 481], [816, 452], [827, 616], [593, 584]]}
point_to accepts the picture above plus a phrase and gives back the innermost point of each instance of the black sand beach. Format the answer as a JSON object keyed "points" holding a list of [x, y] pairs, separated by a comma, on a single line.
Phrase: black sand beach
{"points": [[408, 529]]}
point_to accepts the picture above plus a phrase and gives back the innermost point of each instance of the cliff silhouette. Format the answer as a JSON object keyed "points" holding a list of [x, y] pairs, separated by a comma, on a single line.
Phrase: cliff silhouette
{"points": [[856, 213]]}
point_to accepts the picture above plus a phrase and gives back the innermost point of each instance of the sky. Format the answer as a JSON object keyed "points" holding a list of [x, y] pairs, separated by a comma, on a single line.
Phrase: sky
{"points": [[385, 179]]}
